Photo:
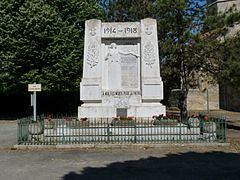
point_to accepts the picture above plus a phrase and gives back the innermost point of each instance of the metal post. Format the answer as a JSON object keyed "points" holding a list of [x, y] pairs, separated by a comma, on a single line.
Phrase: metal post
{"points": [[34, 88], [135, 133], [207, 101], [225, 129], [35, 106], [108, 133]]}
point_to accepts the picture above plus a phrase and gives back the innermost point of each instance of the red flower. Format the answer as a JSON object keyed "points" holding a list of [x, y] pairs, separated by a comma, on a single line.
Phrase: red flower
{"points": [[205, 118], [194, 115]]}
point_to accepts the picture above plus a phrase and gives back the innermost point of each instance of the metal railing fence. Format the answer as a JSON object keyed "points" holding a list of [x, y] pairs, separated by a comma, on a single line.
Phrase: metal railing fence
{"points": [[70, 130]]}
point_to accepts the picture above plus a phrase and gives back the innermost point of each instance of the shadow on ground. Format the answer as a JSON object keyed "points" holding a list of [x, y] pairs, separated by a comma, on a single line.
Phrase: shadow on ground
{"points": [[232, 126], [191, 165]]}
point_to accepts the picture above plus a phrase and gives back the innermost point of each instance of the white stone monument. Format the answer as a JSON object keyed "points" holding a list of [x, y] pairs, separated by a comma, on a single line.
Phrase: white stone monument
{"points": [[121, 73]]}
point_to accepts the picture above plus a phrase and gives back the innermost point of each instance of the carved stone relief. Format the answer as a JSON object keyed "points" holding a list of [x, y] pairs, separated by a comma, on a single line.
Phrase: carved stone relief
{"points": [[149, 30], [148, 54], [113, 54], [92, 54], [92, 31], [121, 102], [122, 66]]}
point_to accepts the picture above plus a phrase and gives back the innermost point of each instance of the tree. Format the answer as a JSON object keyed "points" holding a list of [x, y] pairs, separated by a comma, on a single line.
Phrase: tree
{"points": [[230, 62], [131, 10], [217, 28], [181, 44], [179, 22], [42, 41]]}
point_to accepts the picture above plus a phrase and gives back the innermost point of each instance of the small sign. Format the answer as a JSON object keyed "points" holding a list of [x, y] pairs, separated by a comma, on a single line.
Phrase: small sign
{"points": [[122, 112], [34, 87]]}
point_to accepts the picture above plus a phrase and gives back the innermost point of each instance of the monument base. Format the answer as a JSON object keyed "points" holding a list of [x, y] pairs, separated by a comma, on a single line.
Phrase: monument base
{"points": [[146, 110]]}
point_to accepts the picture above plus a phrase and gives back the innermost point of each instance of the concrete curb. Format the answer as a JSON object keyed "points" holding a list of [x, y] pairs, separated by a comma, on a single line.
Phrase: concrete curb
{"points": [[113, 146]]}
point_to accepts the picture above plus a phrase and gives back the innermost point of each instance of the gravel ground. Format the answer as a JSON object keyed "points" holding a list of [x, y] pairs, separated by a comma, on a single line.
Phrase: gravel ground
{"points": [[175, 162], [8, 133], [167, 162]]}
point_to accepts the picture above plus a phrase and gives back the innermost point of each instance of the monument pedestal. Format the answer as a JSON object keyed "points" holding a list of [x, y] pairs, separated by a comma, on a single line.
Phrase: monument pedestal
{"points": [[121, 73], [142, 111]]}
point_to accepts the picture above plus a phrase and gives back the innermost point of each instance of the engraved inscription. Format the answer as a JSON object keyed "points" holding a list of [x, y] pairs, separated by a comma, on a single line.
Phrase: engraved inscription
{"points": [[130, 30], [109, 30], [120, 93], [148, 54], [129, 71], [113, 30], [121, 29], [92, 54]]}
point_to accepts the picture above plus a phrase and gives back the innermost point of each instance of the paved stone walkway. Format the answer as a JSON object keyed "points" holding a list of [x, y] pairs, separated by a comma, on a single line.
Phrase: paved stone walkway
{"points": [[169, 162], [8, 134], [150, 164]]}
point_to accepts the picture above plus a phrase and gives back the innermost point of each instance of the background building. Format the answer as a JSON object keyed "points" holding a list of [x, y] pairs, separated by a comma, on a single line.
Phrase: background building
{"points": [[221, 6], [205, 93], [229, 97]]}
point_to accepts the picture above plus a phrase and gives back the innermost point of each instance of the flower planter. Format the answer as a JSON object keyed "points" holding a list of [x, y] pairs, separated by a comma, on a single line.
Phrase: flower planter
{"points": [[74, 124], [123, 121], [165, 122], [194, 122], [209, 127]]}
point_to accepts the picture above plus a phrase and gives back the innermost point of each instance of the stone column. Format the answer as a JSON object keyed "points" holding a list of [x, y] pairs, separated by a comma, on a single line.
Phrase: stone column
{"points": [[152, 86], [90, 86]]}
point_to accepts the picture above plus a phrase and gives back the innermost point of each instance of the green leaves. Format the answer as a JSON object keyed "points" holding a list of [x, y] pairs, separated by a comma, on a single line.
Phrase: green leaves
{"points": [[223, 46], [230, 62], [42, 41], [179, 22]]}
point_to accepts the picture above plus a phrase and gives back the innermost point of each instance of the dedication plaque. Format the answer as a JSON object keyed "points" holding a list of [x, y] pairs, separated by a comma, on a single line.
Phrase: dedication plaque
{"points": [[129, 71]]}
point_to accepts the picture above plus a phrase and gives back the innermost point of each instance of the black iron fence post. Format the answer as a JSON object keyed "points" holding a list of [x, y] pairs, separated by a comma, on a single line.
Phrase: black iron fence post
{"points": [[108, 133], [135, 133]]}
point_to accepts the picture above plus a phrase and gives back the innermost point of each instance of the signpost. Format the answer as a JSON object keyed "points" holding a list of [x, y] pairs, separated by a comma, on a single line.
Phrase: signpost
{"points": [[34, 88]]}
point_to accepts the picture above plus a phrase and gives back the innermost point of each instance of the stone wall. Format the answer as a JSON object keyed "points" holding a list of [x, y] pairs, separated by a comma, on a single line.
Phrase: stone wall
{"points": [[203, 100], [220, 6], [203, 93], [230, 98], [223, 6]]}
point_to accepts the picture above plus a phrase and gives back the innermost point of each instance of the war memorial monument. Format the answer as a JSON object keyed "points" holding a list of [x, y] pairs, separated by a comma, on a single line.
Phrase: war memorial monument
{"points": [[121, 71]]}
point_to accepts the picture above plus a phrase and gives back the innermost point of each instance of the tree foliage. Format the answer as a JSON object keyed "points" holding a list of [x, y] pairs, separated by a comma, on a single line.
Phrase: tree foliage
{"points": [[127, 10], [224, 45], [179, 22], [42, 41], [229, 64]]}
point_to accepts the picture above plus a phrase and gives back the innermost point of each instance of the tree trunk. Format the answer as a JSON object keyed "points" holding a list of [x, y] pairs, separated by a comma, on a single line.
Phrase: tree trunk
{"points": [[183, 104], [184, 93]]}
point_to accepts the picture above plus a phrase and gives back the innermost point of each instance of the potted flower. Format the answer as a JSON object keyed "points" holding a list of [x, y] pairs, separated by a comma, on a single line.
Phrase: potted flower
{"points": [[123, 121], [49, 123]]}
